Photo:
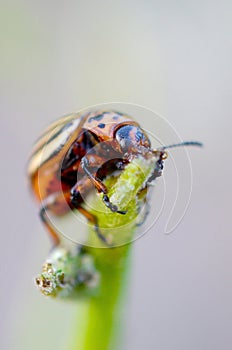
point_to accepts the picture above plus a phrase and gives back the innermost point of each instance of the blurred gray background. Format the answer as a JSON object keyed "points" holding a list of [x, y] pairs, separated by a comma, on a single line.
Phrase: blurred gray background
{"points": [[172, 57]]}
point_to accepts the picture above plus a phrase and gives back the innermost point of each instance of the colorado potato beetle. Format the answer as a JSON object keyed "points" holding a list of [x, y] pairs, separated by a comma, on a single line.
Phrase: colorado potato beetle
{"points": [[68, 146]]}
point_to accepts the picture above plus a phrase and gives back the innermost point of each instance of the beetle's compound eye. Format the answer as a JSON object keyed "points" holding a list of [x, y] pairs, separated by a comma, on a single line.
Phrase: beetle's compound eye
{"points": [[131, 136]]}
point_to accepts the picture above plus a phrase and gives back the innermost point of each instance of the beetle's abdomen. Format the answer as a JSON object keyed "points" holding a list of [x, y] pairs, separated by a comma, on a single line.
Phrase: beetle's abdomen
{"points": [[44, 167]]}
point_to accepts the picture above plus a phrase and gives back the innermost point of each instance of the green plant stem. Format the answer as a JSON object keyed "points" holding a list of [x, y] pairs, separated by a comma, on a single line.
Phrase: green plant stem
{"points": [[102, 312], [99, 317]]}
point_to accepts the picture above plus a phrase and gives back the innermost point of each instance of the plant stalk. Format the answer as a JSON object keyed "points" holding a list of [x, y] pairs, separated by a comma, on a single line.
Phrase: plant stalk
{"points": [[100, 316]]}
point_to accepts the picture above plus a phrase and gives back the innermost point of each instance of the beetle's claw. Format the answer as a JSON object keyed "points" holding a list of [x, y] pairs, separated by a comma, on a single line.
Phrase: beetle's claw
{"points": [[111, 206], [123, 212]]}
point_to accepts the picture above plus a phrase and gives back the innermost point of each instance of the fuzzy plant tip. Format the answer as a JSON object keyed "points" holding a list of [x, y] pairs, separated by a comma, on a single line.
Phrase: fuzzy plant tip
{"points": [[67, 273], [50, 281]]}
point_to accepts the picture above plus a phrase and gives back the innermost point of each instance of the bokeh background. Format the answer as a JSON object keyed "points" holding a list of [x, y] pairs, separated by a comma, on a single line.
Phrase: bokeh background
{"points": [[172, 57]]}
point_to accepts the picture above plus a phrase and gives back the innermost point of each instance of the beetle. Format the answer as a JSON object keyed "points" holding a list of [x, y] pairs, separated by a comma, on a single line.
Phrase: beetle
{"points": [[92, 146]]}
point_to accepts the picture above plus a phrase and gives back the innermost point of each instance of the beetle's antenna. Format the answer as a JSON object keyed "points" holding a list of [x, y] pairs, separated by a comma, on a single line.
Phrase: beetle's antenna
{"points": [[186, 143]]}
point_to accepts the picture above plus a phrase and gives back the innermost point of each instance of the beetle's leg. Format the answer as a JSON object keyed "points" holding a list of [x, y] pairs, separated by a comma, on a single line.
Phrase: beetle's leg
{"points": [[44, 217], [59, 206], [86, 165], [101, 188], [142, 195], [75, 202], [93, 220], [157, 171], [111, 206]]}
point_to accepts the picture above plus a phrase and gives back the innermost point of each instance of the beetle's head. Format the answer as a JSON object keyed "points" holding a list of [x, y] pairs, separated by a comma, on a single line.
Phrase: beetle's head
{"points": [[132, 140]]}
